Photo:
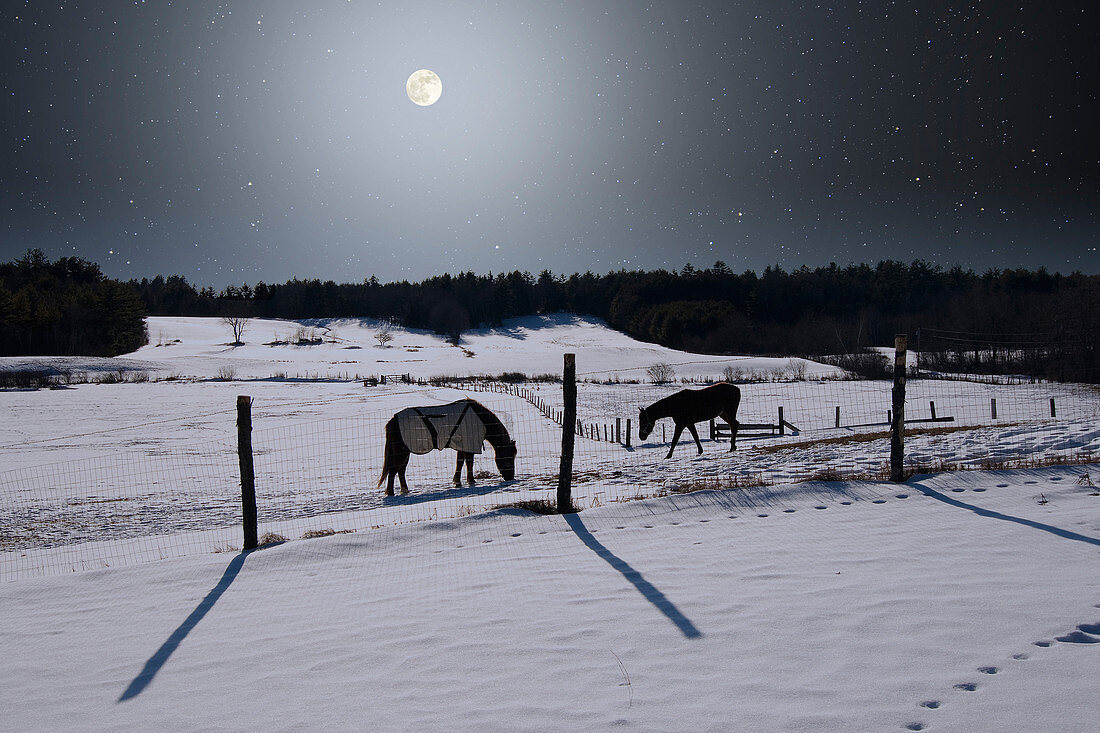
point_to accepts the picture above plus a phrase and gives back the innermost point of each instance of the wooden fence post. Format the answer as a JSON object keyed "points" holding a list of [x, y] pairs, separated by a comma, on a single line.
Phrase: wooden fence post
{"points": [[618, 430], [781, 421], [838, 416], [248, 475], [1053, 413], [628, 432], [897, 438], [569, 424], [993, 407]]}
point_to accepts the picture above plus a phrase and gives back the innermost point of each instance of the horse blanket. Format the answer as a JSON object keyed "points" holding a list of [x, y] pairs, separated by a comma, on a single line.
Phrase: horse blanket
{"points": [[456, 425]]}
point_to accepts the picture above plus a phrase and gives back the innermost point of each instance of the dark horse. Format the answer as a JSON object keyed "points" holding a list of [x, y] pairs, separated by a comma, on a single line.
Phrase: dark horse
{"points": [[462, 426], [690, 406]]}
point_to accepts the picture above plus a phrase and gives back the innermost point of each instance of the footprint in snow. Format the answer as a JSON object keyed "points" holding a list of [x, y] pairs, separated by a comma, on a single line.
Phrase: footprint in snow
{"points": [[914, 726], [930, 704], [988, 670], [1078, 637], [967, 686]]}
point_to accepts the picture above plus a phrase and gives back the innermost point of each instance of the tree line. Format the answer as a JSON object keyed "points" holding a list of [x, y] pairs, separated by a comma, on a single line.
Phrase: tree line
{"points": [[987, 321], [66, 307]]}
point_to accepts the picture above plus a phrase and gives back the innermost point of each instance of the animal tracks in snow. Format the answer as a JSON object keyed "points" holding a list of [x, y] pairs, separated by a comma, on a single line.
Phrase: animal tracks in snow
{"points": [[1088, 633]]}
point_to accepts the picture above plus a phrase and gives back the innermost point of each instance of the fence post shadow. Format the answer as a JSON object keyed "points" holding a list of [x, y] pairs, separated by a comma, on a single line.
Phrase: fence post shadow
{"points": [[647, 589], [154, 664], [981, 512]]}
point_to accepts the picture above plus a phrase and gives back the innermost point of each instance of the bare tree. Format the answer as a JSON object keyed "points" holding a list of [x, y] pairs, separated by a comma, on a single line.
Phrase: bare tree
{"points": [[384, 334], [237, 324], [660, 373]]}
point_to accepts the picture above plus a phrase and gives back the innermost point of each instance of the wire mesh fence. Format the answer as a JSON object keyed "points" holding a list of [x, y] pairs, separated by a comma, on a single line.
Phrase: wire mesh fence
{"points": [[321, 476]]}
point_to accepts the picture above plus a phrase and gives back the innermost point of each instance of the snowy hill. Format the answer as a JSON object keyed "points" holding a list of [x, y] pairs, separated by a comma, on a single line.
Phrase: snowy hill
{"points": [[532, 345]]}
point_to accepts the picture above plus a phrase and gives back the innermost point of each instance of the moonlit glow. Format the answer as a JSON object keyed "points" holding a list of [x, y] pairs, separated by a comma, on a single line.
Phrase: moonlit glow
{"points": [[424, 87], [578, 140]]}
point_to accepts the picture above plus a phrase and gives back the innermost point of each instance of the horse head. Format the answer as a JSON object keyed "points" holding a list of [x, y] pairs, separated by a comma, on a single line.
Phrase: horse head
{"points": [[645, 424], [506, 460]]}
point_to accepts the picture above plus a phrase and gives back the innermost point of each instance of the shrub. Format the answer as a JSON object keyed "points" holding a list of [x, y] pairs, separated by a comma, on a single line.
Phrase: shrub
{"points": [[660, 373], [26, 379], [733, 374], [110, 377], [867, 364]]}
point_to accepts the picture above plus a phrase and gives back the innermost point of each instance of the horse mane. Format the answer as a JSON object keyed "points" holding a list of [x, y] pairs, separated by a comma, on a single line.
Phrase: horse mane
{"points": [[494, 428], [659, 408]]}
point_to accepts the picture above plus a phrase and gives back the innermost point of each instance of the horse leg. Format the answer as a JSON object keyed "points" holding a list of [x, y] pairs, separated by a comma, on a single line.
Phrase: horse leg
{"points": [[389, 482], [402, 464], [676, 439], [470, 469], [457, 480], [732, 420], [694, 434]]}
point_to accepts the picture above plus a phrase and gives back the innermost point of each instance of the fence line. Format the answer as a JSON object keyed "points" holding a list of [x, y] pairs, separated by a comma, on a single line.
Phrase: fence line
{"points": [[319, 477]]}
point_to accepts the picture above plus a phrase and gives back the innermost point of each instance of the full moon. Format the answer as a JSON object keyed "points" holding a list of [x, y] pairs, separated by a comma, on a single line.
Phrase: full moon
{"points": [[424, 87]]}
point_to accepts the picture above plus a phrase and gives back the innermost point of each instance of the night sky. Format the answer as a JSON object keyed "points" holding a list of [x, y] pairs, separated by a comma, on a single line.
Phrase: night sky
{"points": [[260, 141]]}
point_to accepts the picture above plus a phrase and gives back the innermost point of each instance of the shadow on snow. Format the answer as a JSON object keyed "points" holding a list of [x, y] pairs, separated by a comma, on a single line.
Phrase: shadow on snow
{"points": [[651, 594], [155, 662]]}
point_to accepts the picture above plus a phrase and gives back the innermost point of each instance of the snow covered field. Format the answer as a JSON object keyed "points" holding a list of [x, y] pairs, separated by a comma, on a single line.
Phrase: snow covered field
{"points": [[957, 601]]}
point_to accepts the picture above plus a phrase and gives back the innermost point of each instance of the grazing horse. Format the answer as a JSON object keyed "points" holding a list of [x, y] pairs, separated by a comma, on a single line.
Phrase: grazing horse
{"points": [[462, 426], [690, 406]]}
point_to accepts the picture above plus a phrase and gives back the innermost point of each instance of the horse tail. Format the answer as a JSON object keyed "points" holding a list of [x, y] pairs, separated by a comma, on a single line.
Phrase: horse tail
{"points": [[388, 452]]}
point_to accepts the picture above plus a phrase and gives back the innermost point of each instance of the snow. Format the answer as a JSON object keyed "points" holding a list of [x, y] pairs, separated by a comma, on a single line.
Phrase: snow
{"points": [[957, 601]]}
